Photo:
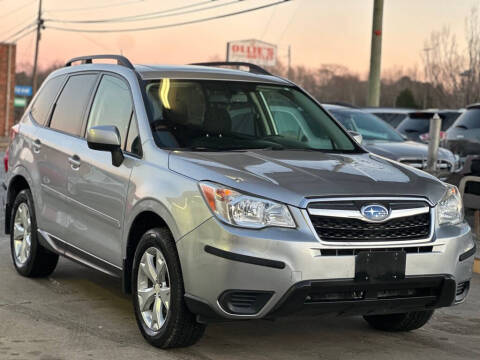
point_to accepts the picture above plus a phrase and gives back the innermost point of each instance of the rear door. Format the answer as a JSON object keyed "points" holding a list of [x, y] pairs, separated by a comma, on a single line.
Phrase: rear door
{"points": [[41, 171], [52, 148], [99, 189]]}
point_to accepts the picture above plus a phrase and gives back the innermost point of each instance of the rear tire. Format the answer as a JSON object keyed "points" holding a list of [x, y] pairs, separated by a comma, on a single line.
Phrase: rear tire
{"points": [[162, 315], [29, 257], [399, 322]]}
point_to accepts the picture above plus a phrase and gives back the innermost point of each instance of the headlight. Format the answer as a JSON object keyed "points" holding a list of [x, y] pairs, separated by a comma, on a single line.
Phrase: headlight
{"points": [[450, 208], [242, 210]]}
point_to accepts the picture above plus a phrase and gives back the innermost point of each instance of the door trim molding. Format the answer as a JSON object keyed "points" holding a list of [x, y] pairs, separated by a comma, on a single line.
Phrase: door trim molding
{"points": [[83, 257]]}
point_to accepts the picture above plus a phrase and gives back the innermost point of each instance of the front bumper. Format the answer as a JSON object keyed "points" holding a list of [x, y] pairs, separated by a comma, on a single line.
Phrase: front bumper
{"points": [[219, 261]]}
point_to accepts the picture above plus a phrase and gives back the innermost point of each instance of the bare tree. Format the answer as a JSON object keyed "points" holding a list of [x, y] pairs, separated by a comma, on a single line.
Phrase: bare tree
{"points": [[454, 73]]}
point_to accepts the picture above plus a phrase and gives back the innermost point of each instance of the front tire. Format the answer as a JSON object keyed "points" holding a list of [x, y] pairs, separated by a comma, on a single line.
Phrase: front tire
{"points": [[158, 293], [29, 257], [399, 322]]}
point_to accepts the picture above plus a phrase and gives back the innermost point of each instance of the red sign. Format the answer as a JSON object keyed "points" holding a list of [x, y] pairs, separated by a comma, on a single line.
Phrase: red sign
{"points": [[253, 51]]}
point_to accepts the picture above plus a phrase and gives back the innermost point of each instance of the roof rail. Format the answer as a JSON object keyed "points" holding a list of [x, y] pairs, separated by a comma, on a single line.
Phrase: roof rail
{"points": [[121, 60], [255, 69]]}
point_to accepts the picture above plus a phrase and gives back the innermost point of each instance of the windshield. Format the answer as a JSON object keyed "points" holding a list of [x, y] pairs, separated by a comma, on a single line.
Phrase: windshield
{"points": [[227, 115], [369, 126], [470, 119], [420, 122]]}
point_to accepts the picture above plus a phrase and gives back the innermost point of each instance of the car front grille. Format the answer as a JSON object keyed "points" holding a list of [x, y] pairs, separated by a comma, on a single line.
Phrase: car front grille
{"points": [[355, 229], [442, 165]]}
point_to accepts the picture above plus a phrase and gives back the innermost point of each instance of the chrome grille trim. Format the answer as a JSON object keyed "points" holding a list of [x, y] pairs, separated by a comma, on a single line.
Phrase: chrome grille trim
{"points": [[369, 244], [354, 214]]}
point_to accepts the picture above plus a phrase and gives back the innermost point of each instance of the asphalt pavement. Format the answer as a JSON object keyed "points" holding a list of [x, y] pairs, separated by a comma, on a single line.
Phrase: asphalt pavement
{"points": [[78, 313]]}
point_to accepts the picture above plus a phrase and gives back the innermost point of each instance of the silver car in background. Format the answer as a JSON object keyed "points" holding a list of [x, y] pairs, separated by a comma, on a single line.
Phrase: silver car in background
{"points": [[381, 139], [196, 187]]}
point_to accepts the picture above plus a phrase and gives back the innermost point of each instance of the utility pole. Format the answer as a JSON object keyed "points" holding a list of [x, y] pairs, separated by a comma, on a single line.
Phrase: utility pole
{"points": [[373, 98], [289, 62], [434, 143], [35, 59]]}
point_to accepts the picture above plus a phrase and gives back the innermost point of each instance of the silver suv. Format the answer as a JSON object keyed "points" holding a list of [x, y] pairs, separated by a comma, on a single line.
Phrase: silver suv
{"points": [[194, 185]]}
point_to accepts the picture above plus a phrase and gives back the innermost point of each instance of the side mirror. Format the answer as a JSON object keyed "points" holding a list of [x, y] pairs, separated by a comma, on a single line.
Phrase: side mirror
{"points": [[106, 138], [356, 135]]}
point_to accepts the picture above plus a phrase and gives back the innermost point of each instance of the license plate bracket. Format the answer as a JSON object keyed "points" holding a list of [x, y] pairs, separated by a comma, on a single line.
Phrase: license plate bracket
{"points": [[380, 266]]}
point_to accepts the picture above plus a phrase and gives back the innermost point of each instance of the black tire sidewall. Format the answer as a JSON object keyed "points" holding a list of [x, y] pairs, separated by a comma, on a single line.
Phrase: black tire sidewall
{"points": [[159, 238], [25, 196]]}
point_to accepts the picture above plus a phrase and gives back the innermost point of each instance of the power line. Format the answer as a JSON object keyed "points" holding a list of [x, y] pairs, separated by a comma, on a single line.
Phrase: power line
{"points": [[23, 35], [15, 27], [268, 24], [17, 9], [169, 25], [289, 23], [148, 16], [29, 26], [87, 8]]}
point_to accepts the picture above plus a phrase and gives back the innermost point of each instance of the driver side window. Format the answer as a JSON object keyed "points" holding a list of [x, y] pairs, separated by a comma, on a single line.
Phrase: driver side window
{"points": [[112, 105]]}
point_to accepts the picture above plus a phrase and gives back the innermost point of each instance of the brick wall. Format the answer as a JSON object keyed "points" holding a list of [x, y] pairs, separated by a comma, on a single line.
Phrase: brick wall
{"points": [[4, 61]]}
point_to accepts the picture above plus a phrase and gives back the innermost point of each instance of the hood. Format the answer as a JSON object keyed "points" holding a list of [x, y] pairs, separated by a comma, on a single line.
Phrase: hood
{"points": [[291, 176], [405, 150]]}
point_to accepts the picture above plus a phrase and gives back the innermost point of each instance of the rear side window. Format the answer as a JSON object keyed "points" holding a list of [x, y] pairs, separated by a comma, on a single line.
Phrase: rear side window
{"points": [[71, 104], [112, 105], [45, 98], [470, 119]]}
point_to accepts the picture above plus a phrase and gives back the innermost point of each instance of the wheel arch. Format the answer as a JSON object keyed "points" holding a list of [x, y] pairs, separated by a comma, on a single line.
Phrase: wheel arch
{"points": [[16, 184], [150, 214]]}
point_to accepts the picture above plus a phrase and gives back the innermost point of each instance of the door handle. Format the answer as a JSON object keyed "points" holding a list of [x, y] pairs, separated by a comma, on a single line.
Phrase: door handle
{"points": [[37, 145], [74, 162]]}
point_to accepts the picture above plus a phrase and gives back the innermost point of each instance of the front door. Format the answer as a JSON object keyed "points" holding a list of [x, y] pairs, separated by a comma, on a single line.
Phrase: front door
{"points": [[97, 188]]}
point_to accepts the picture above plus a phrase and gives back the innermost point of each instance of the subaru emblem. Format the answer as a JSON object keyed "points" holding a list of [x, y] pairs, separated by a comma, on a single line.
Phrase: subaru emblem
{"points": [[375, 212]]}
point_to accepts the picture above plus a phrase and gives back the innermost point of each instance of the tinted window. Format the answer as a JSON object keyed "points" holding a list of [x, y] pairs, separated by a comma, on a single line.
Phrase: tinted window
{"points": [[71, 104], [371, 127], [133, 139], [45, 98], [112, 105], [470, 119]]}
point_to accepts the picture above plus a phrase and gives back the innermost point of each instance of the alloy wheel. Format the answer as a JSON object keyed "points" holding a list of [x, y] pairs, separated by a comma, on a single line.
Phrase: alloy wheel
{"points": [[153, 289], [22, 235]]}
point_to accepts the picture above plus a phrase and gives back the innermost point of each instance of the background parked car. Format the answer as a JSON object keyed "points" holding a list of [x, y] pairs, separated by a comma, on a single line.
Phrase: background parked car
{"points": [[463, 137], [380, 138], [417, 125], [393, 116]]}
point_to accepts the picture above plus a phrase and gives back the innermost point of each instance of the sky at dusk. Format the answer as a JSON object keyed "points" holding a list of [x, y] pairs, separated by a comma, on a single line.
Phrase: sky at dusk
{"points": [[319, 31]]}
